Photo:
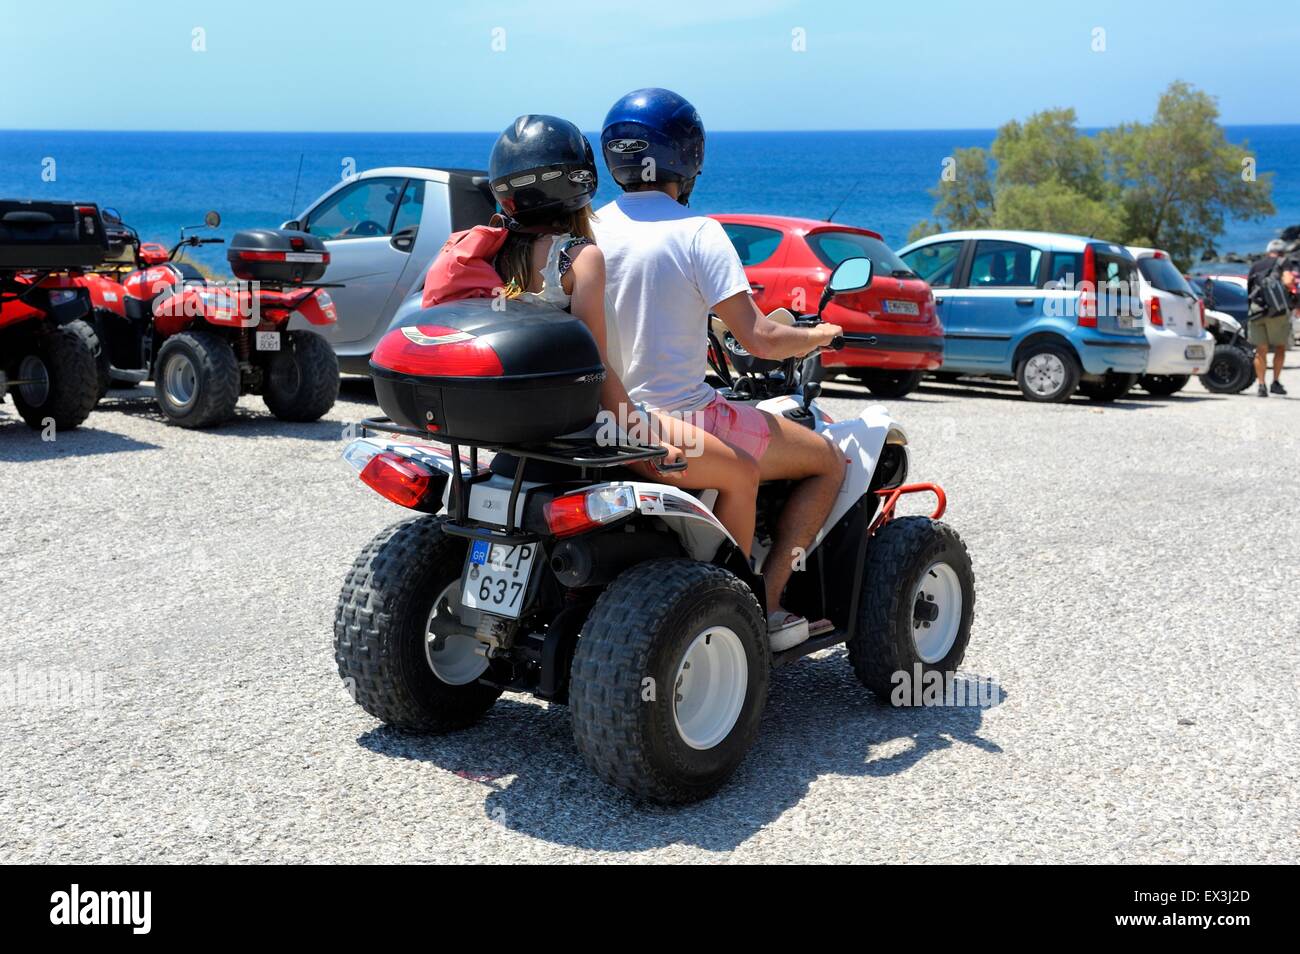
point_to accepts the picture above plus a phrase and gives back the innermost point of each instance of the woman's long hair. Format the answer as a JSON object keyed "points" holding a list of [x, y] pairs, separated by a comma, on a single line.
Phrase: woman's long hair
{"points": [[514, 263]]}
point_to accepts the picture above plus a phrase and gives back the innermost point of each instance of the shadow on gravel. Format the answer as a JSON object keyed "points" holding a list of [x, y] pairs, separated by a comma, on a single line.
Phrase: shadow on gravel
{"points": [[19, 443], [997, 391], [247, 422], [819, 722]]}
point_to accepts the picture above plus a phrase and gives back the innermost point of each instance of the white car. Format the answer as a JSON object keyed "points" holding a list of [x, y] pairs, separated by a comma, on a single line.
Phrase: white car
{"points": [[1181, 346]]}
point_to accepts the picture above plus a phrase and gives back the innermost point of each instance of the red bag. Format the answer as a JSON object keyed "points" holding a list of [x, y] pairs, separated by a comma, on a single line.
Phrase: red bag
{"points": [[464, 269]]}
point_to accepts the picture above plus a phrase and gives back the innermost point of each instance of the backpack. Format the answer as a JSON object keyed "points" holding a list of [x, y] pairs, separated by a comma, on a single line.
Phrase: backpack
{"points": [[1269, 295], [463, 268]]}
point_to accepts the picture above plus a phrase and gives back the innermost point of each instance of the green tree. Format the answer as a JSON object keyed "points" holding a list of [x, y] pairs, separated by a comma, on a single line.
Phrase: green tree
{"points": [[1171, 183], [1179, 178]]}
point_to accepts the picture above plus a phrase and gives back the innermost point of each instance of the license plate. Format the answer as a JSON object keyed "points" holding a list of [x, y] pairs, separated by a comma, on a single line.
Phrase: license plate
{"points": [[268, 341], [1195, 352], [496, 577], [901, 307]]}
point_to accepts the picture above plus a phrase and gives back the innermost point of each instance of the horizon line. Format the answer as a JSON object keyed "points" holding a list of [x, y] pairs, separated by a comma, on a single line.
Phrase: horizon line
{"points": [[479, 132]]}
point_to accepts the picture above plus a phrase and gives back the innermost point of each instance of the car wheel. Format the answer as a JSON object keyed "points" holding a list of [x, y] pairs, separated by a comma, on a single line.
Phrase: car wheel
{"points": [[1048, 373]]}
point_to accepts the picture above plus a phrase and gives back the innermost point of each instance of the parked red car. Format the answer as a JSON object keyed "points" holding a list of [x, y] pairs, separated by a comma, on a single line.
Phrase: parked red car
{"points": [[893, 322]]}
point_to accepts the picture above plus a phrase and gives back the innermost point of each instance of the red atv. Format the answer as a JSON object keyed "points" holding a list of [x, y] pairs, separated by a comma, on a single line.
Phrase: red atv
{"points": [[48, 351], [205, 342]]}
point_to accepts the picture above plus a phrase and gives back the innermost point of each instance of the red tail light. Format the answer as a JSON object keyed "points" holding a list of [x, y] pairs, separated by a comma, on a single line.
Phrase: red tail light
{"points": [[587, 509], [1153, 306], [1201, 308], [437, 351], [1088, 290], [402, 481]]}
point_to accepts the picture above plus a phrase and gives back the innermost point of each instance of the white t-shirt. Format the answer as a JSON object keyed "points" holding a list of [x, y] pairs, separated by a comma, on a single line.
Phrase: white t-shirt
{"points": [[665, 268]]}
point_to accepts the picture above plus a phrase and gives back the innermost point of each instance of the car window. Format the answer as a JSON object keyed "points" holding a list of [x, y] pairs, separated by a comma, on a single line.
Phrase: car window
{"points": [[1228, 293], [998, 264], [411, 207], [361, 210], [1162, 274], [1117, 279], [754, 244], [1067, 270], [834, 247], [935, 262]]}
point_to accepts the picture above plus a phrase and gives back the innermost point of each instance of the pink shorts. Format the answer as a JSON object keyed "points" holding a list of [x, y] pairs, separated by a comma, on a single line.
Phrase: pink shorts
{"points": [[742, 426]]}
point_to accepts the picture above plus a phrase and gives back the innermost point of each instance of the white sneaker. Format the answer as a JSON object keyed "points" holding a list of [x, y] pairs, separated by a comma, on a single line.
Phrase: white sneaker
{"points": [[785, 630]]}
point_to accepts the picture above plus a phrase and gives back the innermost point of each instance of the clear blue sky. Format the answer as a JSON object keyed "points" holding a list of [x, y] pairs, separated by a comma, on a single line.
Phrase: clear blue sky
{"points": [[430, 66]]}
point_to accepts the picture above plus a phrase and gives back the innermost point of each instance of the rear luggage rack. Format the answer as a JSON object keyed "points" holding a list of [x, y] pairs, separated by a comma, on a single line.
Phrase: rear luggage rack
{"points": [[578, 451]]}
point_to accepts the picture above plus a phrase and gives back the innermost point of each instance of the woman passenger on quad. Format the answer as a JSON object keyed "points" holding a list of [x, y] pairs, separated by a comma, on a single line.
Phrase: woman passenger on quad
{"points": [[543, 175]]}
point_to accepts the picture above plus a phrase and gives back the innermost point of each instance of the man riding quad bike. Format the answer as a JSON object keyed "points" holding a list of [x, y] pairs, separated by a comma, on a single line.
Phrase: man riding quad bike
{"points": [[556, 571]]}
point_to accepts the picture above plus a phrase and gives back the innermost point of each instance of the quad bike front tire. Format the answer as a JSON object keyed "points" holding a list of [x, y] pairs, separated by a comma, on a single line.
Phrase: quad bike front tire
{"points": [[403, 644], [1111, 388], [302, 379], [1048, 373], [1163, 385], [62, 367], [916, 606], [888, 384], [669, 680], [1231, 371], [196, 379]]}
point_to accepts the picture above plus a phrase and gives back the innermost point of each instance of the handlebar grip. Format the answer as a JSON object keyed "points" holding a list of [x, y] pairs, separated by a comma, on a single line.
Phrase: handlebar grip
{"points": [[212, 241]]}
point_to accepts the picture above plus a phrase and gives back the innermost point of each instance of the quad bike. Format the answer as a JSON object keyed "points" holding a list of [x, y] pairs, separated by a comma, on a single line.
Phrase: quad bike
{"points": [[556, 571], [48, 350], [1232, 368], [206, 343]]}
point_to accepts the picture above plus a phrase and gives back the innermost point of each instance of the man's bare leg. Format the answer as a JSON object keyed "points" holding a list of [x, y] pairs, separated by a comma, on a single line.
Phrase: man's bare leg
{"points": [[797, 453], [1261, 364], [1279, 358]]}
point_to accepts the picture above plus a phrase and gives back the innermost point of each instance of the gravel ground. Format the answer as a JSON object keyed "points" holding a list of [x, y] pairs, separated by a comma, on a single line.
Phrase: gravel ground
{"points": [[1138, 611]]}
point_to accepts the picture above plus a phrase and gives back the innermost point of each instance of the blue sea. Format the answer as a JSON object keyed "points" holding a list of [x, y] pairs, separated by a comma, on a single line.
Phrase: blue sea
{"points": [[161, 181]]}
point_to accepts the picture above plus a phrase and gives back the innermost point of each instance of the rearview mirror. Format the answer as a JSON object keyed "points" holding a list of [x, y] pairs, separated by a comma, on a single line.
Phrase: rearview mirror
{"points": [[110, 216], [850, 275], [212, 219]]}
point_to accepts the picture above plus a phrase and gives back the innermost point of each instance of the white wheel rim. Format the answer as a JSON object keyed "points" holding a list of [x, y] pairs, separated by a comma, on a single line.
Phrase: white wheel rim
{"points": [[36, 377], [1045, 373], [449, 644], [936, 612], [709, 689], [180, 380]]}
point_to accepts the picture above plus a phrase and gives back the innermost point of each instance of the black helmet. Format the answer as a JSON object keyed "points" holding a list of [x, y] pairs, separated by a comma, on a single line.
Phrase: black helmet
{"points": [[541, 167], [653, 124]]}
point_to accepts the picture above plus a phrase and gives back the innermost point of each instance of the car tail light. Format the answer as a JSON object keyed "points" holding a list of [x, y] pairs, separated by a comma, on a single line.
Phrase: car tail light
{"points": [[588, 509], [397, 478], [1200, 306], [437, 351], [1153, 307], [1088, 290]]}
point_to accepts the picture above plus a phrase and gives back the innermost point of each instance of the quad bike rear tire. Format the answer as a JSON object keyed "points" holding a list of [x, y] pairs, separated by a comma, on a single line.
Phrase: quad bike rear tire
{"points": [[917, 573], [401, 584], [302, 379], [1231, 371], [1111, 388], [64, 364], [888, 384], [1163, 385], [657, 635], [196, 379]]}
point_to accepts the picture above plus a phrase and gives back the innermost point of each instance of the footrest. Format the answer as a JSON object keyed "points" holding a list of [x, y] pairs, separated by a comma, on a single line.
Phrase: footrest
{"points": [[809, 646]]}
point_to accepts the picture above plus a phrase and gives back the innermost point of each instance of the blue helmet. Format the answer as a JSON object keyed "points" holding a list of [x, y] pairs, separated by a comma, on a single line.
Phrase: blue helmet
{"points": [[654, 124]]}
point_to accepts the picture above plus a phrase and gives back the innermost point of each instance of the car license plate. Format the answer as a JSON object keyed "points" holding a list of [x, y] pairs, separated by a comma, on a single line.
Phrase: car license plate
{"points": [[1195, 352], [894, 307], [496, 577], [268, 341]]}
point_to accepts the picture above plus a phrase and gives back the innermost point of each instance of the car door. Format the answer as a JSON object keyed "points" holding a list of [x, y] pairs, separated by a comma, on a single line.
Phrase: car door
{"points": [[761, 255], [356, 223], [999, 299], [940, 264]]}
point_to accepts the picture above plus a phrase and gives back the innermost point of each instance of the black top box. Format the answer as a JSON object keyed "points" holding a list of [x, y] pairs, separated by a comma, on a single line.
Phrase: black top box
{"points": [[50, 236], [490, 372], [277, 256]]}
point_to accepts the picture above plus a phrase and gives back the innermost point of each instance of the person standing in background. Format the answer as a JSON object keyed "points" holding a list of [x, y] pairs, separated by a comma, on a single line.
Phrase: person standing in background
{"points": [[1270, 313]]}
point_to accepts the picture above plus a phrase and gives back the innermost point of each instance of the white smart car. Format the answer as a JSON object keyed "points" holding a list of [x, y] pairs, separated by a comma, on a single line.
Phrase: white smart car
{"points": [[1181, 346]]}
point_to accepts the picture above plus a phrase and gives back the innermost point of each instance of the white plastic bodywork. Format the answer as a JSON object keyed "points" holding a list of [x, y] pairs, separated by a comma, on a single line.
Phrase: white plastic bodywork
{"points": [[1181, 328]]}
